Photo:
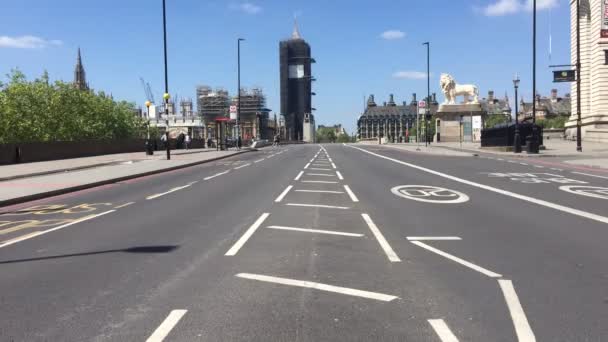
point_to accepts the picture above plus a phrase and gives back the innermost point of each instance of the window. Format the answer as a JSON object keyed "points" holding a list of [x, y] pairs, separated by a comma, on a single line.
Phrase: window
{"points": [[606, 57]]}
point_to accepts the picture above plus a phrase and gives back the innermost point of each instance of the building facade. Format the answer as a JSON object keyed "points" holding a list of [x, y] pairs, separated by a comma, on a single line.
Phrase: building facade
{"points": [[594, 69], [296, 84], [546, 107], [495, 106], [390, 121]]}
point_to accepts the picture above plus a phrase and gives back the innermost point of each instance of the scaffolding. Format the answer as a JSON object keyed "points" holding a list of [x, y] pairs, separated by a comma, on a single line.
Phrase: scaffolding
{"points": [[212, 104], [254, 115]]}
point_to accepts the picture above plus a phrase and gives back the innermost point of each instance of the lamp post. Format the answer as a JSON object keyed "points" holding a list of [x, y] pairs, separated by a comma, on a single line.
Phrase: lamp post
{"points": [[149, 150], [579, 146], [460, 130], [166, 96], [238, 106], [517, 139], [428, 95]]}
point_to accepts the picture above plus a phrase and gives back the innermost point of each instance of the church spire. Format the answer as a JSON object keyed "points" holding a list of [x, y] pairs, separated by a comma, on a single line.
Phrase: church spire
{"points": [[296, 31], [80, 81]]}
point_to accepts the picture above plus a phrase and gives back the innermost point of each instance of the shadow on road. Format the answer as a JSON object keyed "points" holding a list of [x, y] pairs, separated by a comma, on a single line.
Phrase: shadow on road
{"points": [[138, 250]]}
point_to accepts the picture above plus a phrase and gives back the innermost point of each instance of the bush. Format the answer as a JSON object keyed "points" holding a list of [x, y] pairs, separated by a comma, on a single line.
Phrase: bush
{"points": [[38, 111]]}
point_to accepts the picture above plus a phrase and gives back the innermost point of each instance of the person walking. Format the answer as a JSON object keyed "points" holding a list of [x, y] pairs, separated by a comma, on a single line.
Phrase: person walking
{"points": [[163, 140], [188, 141], [239, 143]]}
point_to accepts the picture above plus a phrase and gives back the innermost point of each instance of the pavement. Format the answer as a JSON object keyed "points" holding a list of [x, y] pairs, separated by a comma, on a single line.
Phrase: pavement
{"points": [[29, 181], [315, 243]]}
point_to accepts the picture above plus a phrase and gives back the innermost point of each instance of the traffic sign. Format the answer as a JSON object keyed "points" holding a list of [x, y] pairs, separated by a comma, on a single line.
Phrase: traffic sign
{"points": [[233, 109], [421, 104]]}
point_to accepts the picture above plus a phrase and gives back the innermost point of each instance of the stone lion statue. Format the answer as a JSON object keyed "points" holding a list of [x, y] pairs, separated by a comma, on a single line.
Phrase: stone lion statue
{"points": [[451, 90]]}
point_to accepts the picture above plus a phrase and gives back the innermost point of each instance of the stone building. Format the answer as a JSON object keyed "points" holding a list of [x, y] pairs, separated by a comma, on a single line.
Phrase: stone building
{"points": [[546, 107], [80, 79], [594, 69], [494, 106], [389, 120]]}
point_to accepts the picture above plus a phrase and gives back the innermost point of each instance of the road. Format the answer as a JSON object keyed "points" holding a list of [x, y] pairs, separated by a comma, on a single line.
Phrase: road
{"points": [[315, 243]]}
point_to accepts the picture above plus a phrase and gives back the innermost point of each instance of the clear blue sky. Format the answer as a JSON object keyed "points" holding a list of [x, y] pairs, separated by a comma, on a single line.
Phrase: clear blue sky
{"points": [[478, 41]]}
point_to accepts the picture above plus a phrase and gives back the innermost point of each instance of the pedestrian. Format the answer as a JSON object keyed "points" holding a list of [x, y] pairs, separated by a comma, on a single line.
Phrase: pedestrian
{"points": [[226, 143], [163, 140], [275, 143], [239, 143], [188, 141]]}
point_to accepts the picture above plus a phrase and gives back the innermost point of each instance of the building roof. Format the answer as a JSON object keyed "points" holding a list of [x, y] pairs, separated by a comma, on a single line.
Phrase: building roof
{"points": [[494, 106], [391, 109], [553, 105]]}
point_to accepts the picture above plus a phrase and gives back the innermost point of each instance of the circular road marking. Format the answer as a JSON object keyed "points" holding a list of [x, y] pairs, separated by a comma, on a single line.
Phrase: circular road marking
{"points": [[429, 194], [589, 191]]}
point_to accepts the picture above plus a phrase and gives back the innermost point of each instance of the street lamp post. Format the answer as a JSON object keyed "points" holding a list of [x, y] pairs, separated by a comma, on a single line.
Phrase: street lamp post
{"points": [[149, 150], [460, 130], [517, 139], [238, 107], [579, 146], [428, 95], [166, 95]]}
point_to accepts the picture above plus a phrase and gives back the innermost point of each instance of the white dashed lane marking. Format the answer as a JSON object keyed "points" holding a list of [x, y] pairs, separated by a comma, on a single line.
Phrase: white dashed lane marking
{"points": [[166, 326], [319, 231]]}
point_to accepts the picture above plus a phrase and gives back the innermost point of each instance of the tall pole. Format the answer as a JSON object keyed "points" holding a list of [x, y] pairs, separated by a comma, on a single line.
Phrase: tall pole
{"points": [[579, 146], [534, 62], [238, 107], [166, 95], [516, 138], [428, 92]]}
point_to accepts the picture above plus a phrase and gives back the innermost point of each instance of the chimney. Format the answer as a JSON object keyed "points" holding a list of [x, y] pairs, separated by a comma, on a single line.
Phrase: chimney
{"points": [[391, 101], [491, 96], [553, 95], [414, 101], [371, 102], [537, 99], [434, 98]]}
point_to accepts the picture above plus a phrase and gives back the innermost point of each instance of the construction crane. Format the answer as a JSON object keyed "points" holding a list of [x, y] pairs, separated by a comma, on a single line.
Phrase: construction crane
{"points": [[147, 90]]}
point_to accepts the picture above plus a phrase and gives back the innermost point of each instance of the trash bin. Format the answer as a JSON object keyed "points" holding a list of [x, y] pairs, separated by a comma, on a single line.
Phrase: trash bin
{"points": [[149, 148], [531, 144]]}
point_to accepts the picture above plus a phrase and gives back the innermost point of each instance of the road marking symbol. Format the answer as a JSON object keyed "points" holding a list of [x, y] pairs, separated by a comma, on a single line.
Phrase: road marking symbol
{"points": [[457, 259], [533, 200], [429, 194], [442, 330], [216, 175], [390, 253], [316, 206], [351, 194], [299, 175], [321, 191], [242, 166], [433, 238], [339, 175], [318, 286], [235, 249], [589, 191], [320, 231], [320, 182], [520, 322], [283, 194], [29, 236], [588, 174], [166, 326]]}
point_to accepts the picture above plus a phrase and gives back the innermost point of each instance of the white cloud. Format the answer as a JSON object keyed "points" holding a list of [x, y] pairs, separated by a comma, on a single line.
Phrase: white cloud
{"points": [[247, 7], [506, 7], [410, 75], [392, 34], [27, 42], [502, 7]]}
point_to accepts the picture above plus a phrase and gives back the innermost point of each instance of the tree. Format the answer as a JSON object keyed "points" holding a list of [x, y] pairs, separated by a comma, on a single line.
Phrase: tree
{"points": [[326, 134], [40, 111], [495, 119]]}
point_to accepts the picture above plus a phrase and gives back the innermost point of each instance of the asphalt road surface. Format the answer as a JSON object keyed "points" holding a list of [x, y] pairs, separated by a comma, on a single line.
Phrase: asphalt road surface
{"points": [[315, 243]]}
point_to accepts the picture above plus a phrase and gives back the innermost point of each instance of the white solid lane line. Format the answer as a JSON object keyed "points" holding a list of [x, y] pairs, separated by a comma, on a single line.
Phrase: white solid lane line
{"points": [[307, 165], [259, 160], [34, 234], [320, 174], [166, 326], [333, 165], [539, 167], [590, 175], [321, 191], [235, 249], [319, 169], [283, 194], [216, 175], [433, 238], [320, 182], [351, 194], [170, 191], [124, 205], [318, 286], [299, 175], [458, 260], [390, 253], [442, 330], [320, 231], [523, 164], [316, 206], [242, 166], [533, 200], [520, 322], [339, 175]]}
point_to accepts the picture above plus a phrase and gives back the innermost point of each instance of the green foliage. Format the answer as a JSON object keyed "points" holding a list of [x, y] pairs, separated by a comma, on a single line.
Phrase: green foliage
{"points": [[344, 138], [496, 119], [557, 122], [326, 135], [34, 111]]}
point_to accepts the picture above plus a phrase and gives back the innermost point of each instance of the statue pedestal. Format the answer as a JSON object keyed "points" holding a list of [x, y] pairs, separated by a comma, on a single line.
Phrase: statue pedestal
{"points": [[448, 126]]}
